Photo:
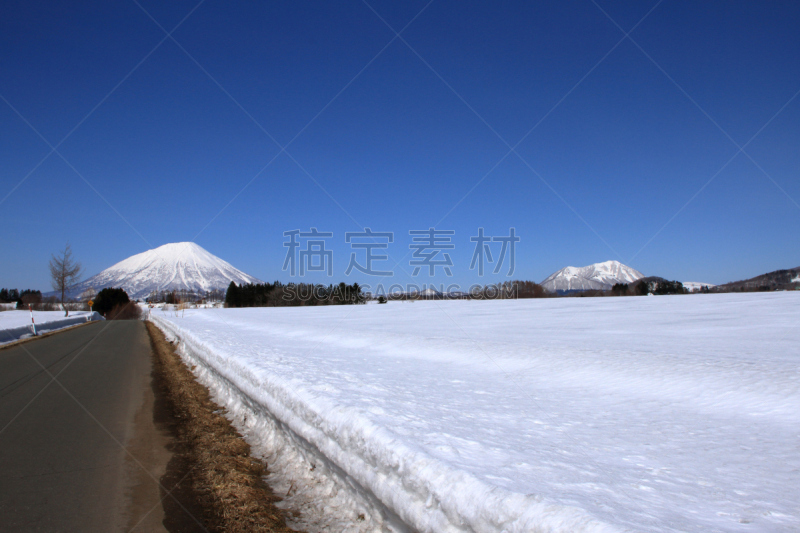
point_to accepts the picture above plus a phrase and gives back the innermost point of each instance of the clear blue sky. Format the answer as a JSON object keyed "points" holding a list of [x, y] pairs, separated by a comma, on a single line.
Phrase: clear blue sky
{"points": [[168, 140]]}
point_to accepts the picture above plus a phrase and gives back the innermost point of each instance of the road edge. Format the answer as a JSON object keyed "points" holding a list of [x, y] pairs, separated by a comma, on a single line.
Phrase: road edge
{"points": [[43, 335], [211, 459]]}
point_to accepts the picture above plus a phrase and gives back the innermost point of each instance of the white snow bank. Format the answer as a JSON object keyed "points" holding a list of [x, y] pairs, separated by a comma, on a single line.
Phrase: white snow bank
{"points": [[671, 413], [15, 325]]}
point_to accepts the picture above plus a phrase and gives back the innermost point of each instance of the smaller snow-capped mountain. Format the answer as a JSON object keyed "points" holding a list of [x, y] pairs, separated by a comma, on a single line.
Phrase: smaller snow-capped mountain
{"points": [[430, 291], [696, 286], [176, 266], [599, 276], [423, 292]]}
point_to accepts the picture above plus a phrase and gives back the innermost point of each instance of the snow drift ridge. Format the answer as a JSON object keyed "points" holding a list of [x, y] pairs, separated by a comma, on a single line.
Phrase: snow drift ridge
{"points": [[364, 464]]}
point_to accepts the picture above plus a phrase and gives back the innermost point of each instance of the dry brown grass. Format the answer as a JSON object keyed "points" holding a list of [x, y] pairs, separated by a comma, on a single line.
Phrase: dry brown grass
{"points": [[225, 482]]}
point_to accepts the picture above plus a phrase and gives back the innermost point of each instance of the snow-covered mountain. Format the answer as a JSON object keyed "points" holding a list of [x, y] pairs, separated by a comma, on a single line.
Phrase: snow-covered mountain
{"points": [[599, 276], [176, 266], [429, 292], [696, 286]]}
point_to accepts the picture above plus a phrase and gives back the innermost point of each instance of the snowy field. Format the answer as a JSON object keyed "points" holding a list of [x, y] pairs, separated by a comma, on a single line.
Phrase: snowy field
{"points": [[669, 413], [15, 325]]}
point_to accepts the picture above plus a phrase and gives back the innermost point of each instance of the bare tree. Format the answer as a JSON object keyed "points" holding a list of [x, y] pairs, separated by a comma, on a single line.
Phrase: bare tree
{"points": [[88, 295], [64, 272]]}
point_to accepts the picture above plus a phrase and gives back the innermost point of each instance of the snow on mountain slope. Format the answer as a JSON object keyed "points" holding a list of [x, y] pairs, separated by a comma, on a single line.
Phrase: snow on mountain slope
{"points": [[599, 276], [175, 266]]}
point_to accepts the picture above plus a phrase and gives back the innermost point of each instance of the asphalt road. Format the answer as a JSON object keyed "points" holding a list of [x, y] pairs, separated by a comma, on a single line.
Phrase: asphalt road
{"points": [[81, 453]]}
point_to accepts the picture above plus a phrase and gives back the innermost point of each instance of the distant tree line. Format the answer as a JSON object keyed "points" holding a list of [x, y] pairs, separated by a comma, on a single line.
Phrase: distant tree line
{"points": [[114, 304], [527, 289], [669, 287], [182, 296], [744, 288], [292, 294], [38, 302], [645, 287], [778, 280], [24, 297], [508, 290]]}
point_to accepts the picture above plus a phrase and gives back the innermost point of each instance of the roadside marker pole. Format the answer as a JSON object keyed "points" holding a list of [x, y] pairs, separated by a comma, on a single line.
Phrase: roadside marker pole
{"points": [[33, 324]]}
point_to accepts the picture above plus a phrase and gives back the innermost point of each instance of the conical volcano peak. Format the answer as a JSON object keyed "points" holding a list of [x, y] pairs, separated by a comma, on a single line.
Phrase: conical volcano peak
{"points": [[174, 266]]}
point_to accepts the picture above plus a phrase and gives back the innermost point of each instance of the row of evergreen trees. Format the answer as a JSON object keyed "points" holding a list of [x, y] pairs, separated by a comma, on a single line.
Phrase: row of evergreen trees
{"points": [[292, 294], [26, 296], [179, 296], [643, 288]]}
